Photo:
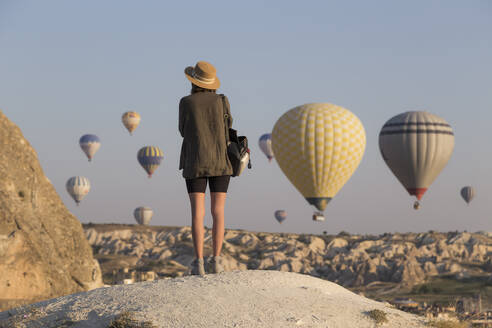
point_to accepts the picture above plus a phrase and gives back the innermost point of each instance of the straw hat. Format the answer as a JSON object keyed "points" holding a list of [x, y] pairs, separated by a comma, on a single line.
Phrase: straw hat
{"points": [[203, 75]]}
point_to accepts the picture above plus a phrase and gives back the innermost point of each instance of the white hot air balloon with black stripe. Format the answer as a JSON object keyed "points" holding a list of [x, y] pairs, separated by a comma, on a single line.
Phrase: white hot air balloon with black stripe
{"points": [[143, 215], [467, 193], [78, 187], [416, 146]]}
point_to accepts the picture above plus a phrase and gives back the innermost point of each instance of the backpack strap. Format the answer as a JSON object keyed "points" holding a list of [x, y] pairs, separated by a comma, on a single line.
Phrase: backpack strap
{"points": [[226, 119]]}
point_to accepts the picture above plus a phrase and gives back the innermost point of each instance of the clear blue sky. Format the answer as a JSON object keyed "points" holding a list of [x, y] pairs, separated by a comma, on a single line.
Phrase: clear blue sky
{"points": [[73, 67]]}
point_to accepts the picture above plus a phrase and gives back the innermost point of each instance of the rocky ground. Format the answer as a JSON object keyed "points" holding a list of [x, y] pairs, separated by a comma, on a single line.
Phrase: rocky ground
{"points": [[364, 263], [246, 299]]}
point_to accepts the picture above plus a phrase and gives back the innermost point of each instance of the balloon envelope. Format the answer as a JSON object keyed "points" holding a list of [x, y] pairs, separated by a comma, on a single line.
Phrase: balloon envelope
{"points": [[265, 144], [90, 144], [318, 147], [131, 120], [78, 187], [143, 215], [467, 193], [280, 215], [150, 157], [416, 146]]}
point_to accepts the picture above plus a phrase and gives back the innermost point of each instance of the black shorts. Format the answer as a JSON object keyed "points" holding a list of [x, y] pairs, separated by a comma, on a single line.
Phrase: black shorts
{"points": [[217, 184]]}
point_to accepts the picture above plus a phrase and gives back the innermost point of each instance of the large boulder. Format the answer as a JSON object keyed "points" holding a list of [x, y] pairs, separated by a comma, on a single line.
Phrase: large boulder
{"points": [[240, 299], [43, 249]]}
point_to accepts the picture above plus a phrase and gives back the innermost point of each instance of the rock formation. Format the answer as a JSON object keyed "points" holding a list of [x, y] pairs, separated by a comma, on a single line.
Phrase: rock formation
{"points": [[351, 260], [43, 250], [231, 299]]}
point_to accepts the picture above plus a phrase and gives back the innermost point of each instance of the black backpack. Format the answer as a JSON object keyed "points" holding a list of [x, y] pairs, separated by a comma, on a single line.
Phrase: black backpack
{"points": [[238, 152], [237, 147]]}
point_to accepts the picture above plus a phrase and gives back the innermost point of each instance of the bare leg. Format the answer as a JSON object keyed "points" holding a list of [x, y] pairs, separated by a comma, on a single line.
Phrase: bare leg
{"points": [[218, 203], [197, 202]]}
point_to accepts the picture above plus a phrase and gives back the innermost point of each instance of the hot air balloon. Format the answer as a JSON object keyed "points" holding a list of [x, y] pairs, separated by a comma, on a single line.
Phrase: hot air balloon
{"points": [[143, 215], [265, 144], [318, 147], [78, 187], [280, 215], [90, 144], [150, 158], [467, 193], [416, 146], [131, 120]]}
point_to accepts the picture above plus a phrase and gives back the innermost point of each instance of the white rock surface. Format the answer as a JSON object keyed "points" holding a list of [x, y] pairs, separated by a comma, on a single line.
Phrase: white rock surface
{"points": [[232, 299]]}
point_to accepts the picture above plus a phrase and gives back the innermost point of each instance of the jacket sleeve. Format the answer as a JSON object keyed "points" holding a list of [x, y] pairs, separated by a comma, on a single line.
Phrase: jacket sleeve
{"points": [[228, 111], [181, 118]]}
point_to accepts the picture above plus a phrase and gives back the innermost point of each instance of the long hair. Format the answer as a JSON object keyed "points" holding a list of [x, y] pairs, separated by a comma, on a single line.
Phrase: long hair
{"points": [[196, 88]]}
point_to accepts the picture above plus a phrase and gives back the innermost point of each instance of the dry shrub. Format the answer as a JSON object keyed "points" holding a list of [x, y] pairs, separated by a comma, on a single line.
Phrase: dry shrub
{"points": [[378, 316], [127, 320]]}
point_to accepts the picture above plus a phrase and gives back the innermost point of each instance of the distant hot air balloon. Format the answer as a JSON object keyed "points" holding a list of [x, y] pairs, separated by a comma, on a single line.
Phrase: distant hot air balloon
{"points": [[318, 147], [150, 158], [143, 215], [467, 193], [265, 144], [78, 187], [131, 120], [280, 215], [416, 146], [90, 144]]}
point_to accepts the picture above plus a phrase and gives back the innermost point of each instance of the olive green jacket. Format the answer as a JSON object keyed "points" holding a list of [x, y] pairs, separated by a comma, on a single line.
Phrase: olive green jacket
{"points": [[202, 126]]}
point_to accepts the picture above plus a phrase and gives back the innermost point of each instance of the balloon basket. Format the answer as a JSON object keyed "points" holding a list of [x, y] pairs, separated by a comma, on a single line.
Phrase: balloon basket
{"points": [[318, 216], [416, 205]]}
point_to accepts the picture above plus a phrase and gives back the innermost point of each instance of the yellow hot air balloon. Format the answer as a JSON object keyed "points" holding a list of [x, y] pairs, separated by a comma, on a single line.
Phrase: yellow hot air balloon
{"points": [[131, 120], [318, 147]]}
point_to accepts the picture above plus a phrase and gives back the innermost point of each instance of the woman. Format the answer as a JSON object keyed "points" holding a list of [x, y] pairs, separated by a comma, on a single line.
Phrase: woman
{"points": [[202, 124]]}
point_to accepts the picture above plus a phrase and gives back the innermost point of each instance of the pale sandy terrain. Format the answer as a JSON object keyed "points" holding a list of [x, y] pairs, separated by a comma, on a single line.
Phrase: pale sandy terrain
{"points": [[234, 299]]}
